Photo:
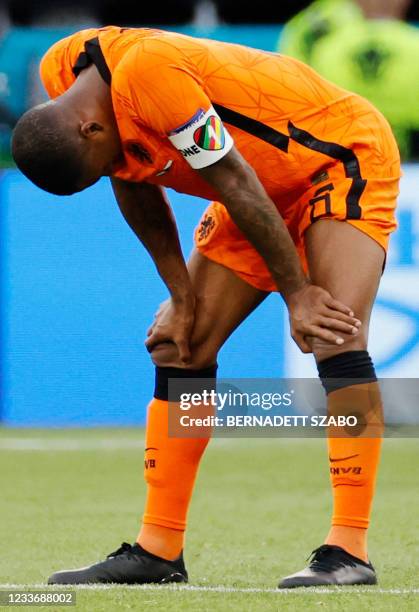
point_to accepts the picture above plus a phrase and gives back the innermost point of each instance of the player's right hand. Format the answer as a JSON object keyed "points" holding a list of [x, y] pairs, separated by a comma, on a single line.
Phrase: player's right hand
{"points": [[314, 313], [173, 322]]}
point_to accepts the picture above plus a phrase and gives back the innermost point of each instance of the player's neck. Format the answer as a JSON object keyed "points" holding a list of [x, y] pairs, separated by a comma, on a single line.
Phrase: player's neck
{"points": [[89, 94]]}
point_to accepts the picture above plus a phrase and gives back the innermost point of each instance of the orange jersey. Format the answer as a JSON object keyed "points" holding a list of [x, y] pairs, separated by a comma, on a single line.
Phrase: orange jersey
{"points": [[181, 102]]}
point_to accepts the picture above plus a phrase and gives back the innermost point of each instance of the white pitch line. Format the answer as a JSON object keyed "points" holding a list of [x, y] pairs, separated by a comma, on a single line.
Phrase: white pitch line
{"points": [[10, 443], [47, 445], [218, 589]]}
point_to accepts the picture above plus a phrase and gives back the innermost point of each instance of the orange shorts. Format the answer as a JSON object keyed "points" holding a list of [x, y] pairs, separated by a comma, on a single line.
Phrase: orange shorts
{"points": [[327, 197]]}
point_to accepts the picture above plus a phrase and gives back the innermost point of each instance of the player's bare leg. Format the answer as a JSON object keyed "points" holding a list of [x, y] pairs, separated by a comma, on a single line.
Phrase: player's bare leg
{"points": [[348, 263], [171, 464]]}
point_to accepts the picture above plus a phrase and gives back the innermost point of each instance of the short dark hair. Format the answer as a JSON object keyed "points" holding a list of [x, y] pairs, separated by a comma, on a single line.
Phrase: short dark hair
{"points": [[46, 151]]}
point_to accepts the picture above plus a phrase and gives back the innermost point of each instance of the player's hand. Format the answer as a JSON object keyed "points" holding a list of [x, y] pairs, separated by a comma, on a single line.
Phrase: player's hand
{"points": [[315, 313], [173, 322]]}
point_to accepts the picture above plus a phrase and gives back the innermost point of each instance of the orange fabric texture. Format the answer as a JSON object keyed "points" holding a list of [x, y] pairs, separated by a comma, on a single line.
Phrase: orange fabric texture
{"points": [[160, 80], [353, 462], [218, 238], [353, 480], [171, 465]]}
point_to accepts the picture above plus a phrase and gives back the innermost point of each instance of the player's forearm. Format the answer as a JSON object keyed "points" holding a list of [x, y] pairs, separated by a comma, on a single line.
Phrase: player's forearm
{"points": [[148, 213], [259, 220], [256, 215], [162, 242]]}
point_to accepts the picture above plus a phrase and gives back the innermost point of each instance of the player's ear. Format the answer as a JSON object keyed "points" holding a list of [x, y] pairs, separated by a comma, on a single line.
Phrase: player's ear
{"points": [[89, 129]]}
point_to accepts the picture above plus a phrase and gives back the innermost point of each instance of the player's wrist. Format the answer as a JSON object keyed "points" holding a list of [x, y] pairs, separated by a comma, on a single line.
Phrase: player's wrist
{"points": [[291, 293], [184, 297]]}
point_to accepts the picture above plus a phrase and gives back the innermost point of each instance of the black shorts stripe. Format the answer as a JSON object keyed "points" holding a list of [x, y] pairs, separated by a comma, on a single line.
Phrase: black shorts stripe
{"points": [[346, 156], [331, 149], [353, 207]]}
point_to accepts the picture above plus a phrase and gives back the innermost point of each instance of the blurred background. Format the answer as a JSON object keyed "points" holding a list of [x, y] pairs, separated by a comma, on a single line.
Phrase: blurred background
{"points": [[78, 292]]}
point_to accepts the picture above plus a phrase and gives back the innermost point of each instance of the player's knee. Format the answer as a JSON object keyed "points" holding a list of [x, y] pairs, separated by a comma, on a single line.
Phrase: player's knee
{"points": [[166, 355], [323, 350], [203, 353]]}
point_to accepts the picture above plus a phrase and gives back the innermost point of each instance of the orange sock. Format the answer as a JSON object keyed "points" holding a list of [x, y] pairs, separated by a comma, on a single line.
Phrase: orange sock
{"points": [[171, 465], [354, 455]]}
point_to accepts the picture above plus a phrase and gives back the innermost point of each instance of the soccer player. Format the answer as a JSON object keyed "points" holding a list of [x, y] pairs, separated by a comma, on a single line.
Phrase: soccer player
{"points": [[304, 179]]}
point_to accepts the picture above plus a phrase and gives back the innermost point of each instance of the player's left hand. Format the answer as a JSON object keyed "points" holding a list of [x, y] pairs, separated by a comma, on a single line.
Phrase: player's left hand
{"points": [[314, 313], [173, 322]]}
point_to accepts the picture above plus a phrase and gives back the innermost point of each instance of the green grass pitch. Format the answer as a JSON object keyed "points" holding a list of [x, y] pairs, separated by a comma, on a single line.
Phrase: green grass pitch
{"points": [[70, 497]]}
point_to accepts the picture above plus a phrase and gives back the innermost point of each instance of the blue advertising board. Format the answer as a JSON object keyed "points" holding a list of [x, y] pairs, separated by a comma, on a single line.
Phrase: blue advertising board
{"points": [[78, 293]]}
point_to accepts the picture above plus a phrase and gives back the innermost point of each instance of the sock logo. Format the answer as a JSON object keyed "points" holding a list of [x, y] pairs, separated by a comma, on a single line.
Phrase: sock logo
{"points": [[210, 136], [342, 458], [150, 463], [340, 471]]}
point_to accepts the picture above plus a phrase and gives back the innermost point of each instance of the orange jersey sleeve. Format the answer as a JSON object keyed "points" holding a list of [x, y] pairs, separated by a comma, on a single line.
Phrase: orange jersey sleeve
{"points": [[161, 90], [56, 65]]}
